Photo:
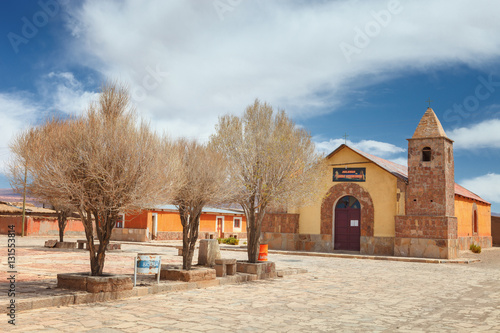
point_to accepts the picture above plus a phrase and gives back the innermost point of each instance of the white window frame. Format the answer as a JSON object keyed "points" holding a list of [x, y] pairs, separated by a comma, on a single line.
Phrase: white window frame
{"points": [[241, 222], [123, 221]]}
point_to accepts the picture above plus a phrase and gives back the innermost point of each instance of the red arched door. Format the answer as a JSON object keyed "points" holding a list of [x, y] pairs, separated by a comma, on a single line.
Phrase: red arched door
{"points": [[347, 224]]}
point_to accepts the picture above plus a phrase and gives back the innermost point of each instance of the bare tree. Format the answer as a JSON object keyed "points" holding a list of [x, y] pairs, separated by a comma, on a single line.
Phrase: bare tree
{"points": [[202, 181], [28, 148], [271, 161], [102, 163]]}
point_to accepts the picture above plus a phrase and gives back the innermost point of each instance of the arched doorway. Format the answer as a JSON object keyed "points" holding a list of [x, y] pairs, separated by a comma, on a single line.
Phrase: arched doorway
{"points": [[347, 224]]}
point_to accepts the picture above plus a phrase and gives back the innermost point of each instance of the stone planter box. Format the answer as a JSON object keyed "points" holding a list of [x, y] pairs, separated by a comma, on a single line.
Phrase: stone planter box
{"points": [[94, 284], [176, 273], [263, 270]]}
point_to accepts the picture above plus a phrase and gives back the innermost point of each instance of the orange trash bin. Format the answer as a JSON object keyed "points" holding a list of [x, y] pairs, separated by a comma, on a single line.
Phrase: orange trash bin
{"points": [[263, 252]]}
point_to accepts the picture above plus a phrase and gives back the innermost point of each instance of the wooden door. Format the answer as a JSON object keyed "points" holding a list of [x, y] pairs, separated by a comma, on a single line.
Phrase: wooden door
{"points": [[347, 225], [219, 226]]}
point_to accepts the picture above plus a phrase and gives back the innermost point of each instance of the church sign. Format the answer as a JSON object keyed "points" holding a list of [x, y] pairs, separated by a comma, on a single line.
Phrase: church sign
{"points": [[349, 174]]}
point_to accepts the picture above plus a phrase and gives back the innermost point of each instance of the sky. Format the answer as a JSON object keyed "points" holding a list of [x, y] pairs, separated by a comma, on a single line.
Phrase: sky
{"points": [[361, 70]]}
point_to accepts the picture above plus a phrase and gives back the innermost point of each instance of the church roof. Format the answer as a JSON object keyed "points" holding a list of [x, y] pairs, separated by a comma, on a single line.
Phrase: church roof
{"points": [[401, 171], [429, 126]]}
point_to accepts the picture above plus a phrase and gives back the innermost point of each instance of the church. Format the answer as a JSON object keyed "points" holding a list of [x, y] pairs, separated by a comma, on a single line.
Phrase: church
{"points": [[378, 207]]}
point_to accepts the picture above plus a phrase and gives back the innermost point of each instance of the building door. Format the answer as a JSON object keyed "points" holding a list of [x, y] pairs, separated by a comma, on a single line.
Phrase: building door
{"points": [[347, 224], [220, 221]]}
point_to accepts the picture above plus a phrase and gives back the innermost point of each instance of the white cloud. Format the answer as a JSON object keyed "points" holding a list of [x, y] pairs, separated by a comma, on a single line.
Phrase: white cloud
{"points": [[482, 135], [59, 94], [16, 113], [400, 160], [287, 53], [377, 148], [486, 186]]}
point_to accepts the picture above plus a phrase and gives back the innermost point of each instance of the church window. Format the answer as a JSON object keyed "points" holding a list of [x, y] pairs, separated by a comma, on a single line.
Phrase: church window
{"points": [[474, 222], [348, 202], [426, 154]]}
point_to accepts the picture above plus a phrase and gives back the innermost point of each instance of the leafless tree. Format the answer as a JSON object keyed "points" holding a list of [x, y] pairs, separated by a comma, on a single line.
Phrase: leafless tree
{"points": [[202, 181], [271, 161], [102, 163], [28, 148]]}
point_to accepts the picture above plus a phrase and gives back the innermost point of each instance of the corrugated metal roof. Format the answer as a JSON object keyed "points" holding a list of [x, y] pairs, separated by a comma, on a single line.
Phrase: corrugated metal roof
{"points": [[205, 210], [401, 171]]}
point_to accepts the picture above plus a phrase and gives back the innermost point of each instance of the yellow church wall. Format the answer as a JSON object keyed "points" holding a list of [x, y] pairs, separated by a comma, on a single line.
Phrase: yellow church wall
{"points": [[464, 214], [381, 185]]}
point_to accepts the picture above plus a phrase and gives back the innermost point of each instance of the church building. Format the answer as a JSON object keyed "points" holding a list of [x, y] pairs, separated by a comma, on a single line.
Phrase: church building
{"points": [[378, 207]]}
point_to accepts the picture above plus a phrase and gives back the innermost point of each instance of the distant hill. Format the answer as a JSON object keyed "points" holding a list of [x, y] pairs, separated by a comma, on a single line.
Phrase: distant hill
{"points": [[495, 214], [8, 195]]}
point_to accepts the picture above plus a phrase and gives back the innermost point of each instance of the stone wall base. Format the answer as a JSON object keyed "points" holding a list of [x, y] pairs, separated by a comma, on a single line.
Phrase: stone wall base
{"points": [[129, 234], [383, 246], [465, 242], [426, 248], [323, 243], [298, 242]]}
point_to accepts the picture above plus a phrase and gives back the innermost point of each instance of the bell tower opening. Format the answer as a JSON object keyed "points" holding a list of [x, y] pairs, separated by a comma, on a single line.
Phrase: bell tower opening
{"points": [[426, 154]]}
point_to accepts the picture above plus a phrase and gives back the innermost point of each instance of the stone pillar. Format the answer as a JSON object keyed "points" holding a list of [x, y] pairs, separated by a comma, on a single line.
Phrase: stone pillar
{"points": [[208, 252]]}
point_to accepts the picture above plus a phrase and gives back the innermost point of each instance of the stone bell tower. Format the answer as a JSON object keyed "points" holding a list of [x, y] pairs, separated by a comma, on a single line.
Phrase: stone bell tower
{"points": [[429, 228]]}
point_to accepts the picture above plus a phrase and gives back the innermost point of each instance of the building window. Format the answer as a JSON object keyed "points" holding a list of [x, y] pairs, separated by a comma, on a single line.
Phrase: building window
{"points": [[120, 221], [426, 154], [474, 222], [237, 223]]}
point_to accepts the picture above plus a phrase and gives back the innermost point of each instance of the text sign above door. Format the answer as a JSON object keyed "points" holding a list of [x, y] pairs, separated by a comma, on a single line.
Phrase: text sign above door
{"points": [[349, 174]]}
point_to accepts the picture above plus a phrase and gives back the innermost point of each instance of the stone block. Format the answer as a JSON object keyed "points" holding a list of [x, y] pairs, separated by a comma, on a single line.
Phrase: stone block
{"points": [[263, 270], [220, 270], [209, 251], [51, 243], [176, 273], [66, 245]]}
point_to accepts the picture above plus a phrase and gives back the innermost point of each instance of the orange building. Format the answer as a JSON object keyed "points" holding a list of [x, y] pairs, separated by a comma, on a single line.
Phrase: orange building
{"points": [[39, 221], [164, 223]]}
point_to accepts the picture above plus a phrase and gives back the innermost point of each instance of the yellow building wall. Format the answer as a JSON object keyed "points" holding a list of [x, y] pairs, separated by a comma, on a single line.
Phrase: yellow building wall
{"points": [[380, 184], [464, 214]]}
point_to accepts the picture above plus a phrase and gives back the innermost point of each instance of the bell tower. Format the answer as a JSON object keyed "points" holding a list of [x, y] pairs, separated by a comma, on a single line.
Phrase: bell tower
{"points": [[431, 170], [429, 228]]}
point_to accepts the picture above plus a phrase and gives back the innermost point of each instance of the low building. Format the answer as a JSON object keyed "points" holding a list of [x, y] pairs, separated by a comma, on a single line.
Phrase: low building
{"points": [[375, 206], [164, 223], [39, 221]]}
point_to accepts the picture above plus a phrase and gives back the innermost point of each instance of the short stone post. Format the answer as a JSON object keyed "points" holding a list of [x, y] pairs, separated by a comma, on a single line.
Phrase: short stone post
{"points": [[208, 252]]}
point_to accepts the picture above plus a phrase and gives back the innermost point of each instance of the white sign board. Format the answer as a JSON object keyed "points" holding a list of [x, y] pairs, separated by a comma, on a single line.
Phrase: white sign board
{"points": [[146, 264], [354, 223]]}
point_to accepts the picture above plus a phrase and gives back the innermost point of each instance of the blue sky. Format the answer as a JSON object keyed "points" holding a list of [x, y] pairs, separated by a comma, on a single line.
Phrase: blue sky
{"points": [[361, 68]]}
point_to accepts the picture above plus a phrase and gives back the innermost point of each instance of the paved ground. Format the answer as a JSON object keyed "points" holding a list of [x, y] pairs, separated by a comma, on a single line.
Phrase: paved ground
{"points": [[336, 295]]}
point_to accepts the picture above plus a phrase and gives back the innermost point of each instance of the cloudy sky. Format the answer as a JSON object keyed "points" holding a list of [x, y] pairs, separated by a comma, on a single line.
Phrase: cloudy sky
{"points": [[361, 68]]}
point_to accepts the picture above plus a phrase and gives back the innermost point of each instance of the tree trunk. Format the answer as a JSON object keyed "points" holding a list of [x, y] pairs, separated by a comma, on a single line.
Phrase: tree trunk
{"points": [[104, 226], [254, 223], [189, 236], [62, 218]]}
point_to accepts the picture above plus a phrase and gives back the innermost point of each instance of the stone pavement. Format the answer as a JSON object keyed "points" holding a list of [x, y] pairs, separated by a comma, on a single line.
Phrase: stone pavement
{"points": [[336, 295]]}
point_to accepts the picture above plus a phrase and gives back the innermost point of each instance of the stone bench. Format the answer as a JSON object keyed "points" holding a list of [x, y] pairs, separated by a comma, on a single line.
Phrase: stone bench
{"points": [[111, 246], [225, 267]]}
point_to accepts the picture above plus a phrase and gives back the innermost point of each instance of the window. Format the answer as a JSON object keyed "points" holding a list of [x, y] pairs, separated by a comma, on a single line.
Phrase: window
{"points": [[120, 221], [348, 202], [237, 223], [474, 222], [426, 154]]}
